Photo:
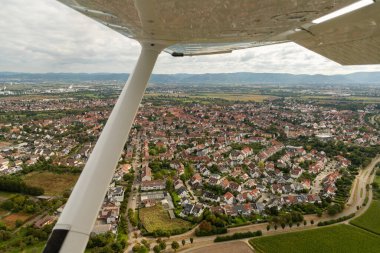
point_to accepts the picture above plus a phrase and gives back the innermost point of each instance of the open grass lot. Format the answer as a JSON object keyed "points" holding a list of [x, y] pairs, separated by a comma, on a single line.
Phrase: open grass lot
{"points": [[370, 220], [10, 220], [228, 247], [156, 218], [54, 184], [334, 239]]}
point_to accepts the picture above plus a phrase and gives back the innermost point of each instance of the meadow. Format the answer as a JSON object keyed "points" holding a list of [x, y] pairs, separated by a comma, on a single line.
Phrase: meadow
{"points": [[370, 220], [156, 218], [53, 184], [332, 239]]}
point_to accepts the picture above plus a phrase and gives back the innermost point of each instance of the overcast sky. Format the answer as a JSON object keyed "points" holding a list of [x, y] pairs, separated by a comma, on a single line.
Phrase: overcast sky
{"points": [[45, 36]]}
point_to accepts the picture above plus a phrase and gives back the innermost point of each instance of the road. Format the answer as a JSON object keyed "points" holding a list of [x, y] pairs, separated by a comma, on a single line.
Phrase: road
{"points": [[356, 199], [132, 200]]}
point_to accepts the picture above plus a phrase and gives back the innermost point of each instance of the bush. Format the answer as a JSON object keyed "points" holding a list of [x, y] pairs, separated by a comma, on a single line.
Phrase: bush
{"points": [[330, 222], [238, 236], [334, 209], [15, 184], [213, 231]]}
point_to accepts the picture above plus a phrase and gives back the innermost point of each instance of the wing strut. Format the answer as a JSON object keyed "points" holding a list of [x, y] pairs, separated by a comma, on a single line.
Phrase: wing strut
{"points": [[74, 226]]}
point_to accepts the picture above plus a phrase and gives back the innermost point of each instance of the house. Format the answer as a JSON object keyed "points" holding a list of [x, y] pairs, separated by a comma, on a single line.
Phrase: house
{"points": [[235, 187], [178, 184], [254, 195], [230, 210], [47, 220], [213, 181], [196, 179], [146, 174], [247, 151], [187, 209], [182, 192], [211, 197], [242, 197], [115, 194], [217, 209], [229, 198], [225, 183], [296, 172], [197, 210], [153, 185], [306, 183]]}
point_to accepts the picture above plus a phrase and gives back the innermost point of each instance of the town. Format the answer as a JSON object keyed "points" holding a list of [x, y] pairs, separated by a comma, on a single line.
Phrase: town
{"points": [[187, 158]]}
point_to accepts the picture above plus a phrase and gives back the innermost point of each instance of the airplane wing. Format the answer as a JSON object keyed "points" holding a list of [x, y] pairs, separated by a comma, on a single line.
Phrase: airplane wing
{"points": [[200, 27], [350, 39]]}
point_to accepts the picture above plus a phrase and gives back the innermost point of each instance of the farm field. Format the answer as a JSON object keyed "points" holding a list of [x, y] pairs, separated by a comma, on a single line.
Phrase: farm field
{"points": [[53, 183], [349, 98], [228, 247], [10, 220], [333, 239], [245, 97], [235, 96], [377, 179], [156, 218], [370, 220]]}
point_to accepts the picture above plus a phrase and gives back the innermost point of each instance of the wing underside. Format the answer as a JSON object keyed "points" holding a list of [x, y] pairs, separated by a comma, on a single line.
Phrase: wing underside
{"points": [[350, 39], [200, 27]]}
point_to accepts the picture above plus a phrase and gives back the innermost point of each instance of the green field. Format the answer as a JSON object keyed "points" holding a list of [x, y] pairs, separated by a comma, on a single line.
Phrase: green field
{"points": [[334, 239], [349, 98], [377, 179], [235, 96], [370, 220], [156, 218], [6, 195], [53, 183]]}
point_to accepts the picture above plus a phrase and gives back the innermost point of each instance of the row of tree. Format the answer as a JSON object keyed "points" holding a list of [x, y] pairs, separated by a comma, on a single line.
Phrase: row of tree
{"points": [[237, 236], [16, 184]]}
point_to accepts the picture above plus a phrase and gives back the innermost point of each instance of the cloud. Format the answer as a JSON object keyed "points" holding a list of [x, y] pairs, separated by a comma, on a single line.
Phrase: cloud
{"points": [[46, 36]]}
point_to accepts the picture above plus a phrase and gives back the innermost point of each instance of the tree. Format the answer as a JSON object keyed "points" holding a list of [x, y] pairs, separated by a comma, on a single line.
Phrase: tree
{"points": [[183, 242], [283, 225], [175, 245], [156, 249], [191, 239], [312, 222], [268, 227], [304, 222], [275, 226], [162, 245], [146, 243], [334, 209]]}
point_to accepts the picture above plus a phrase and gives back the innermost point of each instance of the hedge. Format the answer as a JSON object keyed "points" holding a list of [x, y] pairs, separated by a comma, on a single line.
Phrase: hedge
{"points": [[238, 236], [330, 222]]}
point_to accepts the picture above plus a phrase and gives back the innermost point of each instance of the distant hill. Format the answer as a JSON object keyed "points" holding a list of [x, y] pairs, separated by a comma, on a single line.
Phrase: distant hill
{"points": [[217, 78]]}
